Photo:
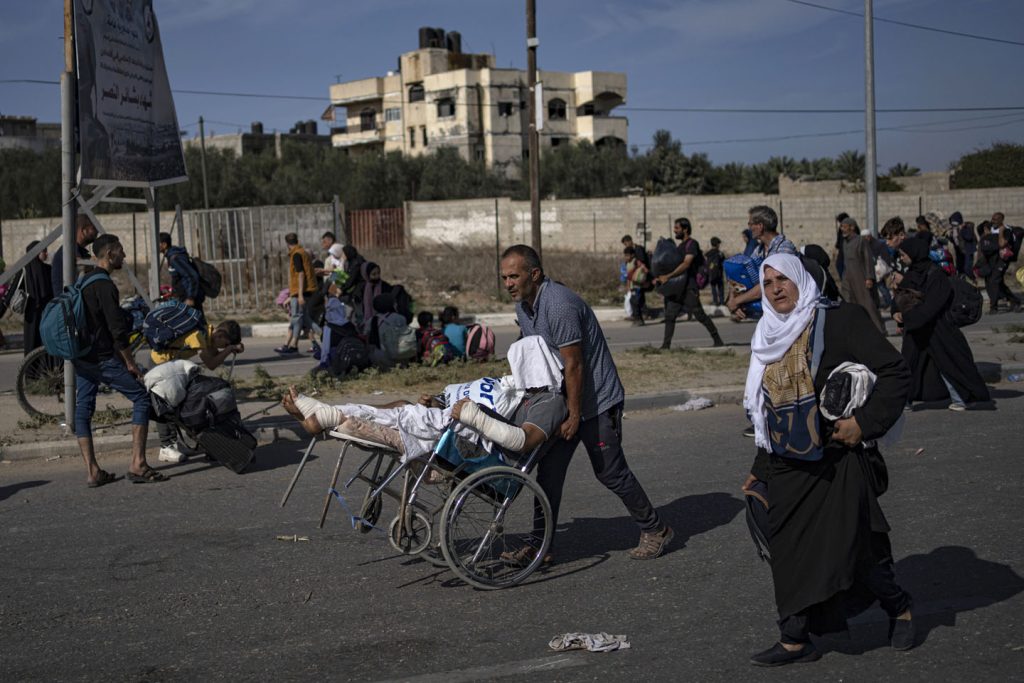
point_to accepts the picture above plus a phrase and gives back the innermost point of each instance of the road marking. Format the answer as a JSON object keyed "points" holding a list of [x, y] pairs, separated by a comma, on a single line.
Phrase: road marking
{"points": [[477, 673]]}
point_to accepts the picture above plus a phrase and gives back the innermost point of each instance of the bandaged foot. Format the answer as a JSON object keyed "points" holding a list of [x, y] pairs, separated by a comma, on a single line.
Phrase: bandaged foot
{"points": [[317, 415]]}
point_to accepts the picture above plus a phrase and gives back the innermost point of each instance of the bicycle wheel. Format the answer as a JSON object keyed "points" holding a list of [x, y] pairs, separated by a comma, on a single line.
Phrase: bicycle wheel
{"points": [[40, 384], [487, 522]]}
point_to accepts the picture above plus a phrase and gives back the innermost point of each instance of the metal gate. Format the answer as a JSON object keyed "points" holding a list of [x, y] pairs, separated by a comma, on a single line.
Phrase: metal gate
{"points": [[377, 228]]}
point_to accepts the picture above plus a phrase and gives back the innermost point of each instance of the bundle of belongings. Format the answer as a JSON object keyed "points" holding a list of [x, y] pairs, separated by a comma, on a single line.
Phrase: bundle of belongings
{"points": [[204, 408], [846, 389]]}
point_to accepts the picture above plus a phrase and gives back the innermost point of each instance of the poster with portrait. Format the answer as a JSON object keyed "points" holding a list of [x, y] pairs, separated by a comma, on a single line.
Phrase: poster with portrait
{"points": [[128, 130]]}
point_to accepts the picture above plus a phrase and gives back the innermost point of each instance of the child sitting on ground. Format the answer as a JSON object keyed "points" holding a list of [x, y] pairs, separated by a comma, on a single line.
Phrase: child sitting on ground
{"points": [[453, 330]]}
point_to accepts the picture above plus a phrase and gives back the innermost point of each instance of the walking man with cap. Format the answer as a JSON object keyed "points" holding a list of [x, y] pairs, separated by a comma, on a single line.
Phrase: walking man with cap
{"points": [[594, 394]]}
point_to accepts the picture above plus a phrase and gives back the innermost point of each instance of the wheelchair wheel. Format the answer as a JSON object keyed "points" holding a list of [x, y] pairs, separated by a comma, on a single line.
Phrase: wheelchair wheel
{"points": [[40, 385], [412, 538], [369, 513], [487, 528]]}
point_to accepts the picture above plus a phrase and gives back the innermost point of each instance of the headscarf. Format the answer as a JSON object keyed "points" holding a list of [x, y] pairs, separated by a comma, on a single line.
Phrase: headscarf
{"points": [[774, 334], [920, 264], [534, 365], [370, 289]]}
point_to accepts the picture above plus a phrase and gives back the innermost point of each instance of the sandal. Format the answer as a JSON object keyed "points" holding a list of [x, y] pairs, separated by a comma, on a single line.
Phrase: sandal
{"points": [[148, 476], [102, 478]]}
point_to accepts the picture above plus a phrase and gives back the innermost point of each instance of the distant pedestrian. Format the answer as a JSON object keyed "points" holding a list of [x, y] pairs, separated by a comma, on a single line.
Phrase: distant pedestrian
{"points": [[858, 283], [763, 224], [301, 284], [638, 250], [638, 282], [716, 275], [998, 251], [85, 234], [185, 284], [688, 298], [940, 359], [749, 243], [109, 362], [39, 288], [837, 252], [593, 391]]}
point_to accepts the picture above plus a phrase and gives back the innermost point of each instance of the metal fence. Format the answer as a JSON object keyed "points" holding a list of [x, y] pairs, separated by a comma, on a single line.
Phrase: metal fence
{"points": [[247, 244]]}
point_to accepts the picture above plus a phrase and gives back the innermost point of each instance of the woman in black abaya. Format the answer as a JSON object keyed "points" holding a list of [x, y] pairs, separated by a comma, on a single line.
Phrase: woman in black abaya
{"points": [[828, 537], [940, 359], [40, 292]]}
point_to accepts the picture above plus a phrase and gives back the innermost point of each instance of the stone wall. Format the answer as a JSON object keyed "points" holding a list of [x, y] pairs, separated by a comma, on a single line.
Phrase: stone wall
{"points": [[599, 224]]}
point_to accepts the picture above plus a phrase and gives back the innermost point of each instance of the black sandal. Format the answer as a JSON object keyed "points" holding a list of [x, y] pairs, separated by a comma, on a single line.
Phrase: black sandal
{"points": [[101, 479], [148, 476]]}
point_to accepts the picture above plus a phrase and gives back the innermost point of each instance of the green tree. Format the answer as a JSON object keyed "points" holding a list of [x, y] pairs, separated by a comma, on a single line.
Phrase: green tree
{"points": [[902, 170], [1001, 165], [850, 165]]}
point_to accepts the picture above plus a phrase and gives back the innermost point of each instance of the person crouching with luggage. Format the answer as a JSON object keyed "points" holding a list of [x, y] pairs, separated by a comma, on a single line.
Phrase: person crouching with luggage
{"points": [[214, 345], [109, 362]]}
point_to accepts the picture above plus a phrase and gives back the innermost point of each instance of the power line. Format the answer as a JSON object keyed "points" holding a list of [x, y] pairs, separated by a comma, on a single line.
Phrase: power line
{"points": [[681, 110], [906, 24]]}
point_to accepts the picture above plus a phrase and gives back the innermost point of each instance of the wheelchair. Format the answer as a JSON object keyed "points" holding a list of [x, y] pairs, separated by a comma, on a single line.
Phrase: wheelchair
{"points": [[479, 513]]}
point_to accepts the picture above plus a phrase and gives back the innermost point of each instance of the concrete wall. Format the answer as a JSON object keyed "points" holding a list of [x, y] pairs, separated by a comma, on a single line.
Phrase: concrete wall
{"points": [[599, 224]]}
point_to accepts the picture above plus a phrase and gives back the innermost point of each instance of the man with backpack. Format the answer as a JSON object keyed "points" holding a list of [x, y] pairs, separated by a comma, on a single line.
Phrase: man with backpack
{"points": [[689, 298], [999, 248], [108, 360], [213, 344], [185, 282]]}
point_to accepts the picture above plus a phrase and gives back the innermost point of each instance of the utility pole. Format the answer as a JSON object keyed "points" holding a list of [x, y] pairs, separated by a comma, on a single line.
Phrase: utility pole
{"points": [[67, 185], [870, 164], [202, 163], [534, 115]]}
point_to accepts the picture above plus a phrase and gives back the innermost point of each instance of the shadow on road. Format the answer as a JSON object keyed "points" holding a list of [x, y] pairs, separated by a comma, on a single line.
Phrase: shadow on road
{"points": [[945, 582], [688, 516], [8, 491]]}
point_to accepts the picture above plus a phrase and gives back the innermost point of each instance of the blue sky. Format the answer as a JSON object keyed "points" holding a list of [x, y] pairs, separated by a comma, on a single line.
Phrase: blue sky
{"points": [[676, 53]]}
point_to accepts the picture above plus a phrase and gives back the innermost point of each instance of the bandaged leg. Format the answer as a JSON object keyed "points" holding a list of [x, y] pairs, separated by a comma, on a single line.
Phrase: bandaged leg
{"points": [[327, 416], [509, 437], [371, 431]]}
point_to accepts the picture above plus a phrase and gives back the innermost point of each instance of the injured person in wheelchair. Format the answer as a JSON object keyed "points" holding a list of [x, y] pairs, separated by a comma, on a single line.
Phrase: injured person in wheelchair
{"points": [[517, 412]]}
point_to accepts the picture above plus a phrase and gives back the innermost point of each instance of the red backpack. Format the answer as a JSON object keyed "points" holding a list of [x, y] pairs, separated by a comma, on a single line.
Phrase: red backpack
{"points": [[479, 342], [435, 349]]}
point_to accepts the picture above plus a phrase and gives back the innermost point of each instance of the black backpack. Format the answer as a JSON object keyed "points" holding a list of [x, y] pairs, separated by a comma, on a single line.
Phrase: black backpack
{"points": [[989, 244], [1018, 236], [349, 353], [209, 278], [965, 308]]}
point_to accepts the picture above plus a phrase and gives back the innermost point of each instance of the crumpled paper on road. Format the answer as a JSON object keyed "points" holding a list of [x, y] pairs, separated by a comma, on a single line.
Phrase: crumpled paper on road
{"points": [[593, 642], [695, 403]]}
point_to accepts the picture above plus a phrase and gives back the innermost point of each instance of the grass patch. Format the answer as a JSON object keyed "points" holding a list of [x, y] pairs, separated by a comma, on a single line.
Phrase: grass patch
{"points": [[36, 422], [642, 370]]}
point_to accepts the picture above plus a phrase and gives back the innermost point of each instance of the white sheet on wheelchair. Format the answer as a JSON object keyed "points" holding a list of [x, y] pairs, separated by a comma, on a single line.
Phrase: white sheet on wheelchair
{"points": [[419, 427]]}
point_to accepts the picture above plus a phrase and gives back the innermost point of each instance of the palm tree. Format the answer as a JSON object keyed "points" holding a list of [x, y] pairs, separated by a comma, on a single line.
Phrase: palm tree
{"points": [[850, 165], [902, 170]]}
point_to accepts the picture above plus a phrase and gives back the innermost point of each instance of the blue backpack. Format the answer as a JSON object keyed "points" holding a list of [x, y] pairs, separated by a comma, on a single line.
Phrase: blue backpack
{"points": [[169, 322], [64, 327]]}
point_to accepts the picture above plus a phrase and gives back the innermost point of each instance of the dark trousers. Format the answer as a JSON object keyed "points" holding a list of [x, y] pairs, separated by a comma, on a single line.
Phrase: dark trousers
{"points": [[718, 293], [602, 437], [880, 581], [997, 289], [688, 301], [637, 301]]}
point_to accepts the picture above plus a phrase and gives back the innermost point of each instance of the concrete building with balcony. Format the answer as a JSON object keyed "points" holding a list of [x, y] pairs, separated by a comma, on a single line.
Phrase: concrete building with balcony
{"points": [[441, 97]]}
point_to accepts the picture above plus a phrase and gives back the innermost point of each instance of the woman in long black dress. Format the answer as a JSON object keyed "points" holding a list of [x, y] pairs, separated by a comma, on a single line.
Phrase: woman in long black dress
{"points": [[40, 292], [940, 359], [828, 537]]}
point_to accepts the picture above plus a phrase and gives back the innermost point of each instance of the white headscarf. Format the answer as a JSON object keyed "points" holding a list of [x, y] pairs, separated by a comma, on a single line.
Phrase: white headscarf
{"points": [[534, 364], [774, 335]]}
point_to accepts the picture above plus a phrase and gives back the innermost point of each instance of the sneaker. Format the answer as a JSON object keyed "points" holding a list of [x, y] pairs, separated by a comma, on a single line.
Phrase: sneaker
{"points": [[958, 407], [286, 349], [749, 431], [652, 544], [170, 454], [777, 655], [524, 556]]}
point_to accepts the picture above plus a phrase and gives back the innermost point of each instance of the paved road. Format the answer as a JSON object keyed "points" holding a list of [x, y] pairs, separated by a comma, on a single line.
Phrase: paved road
{"points": [[620, 335], [185, 580]]}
